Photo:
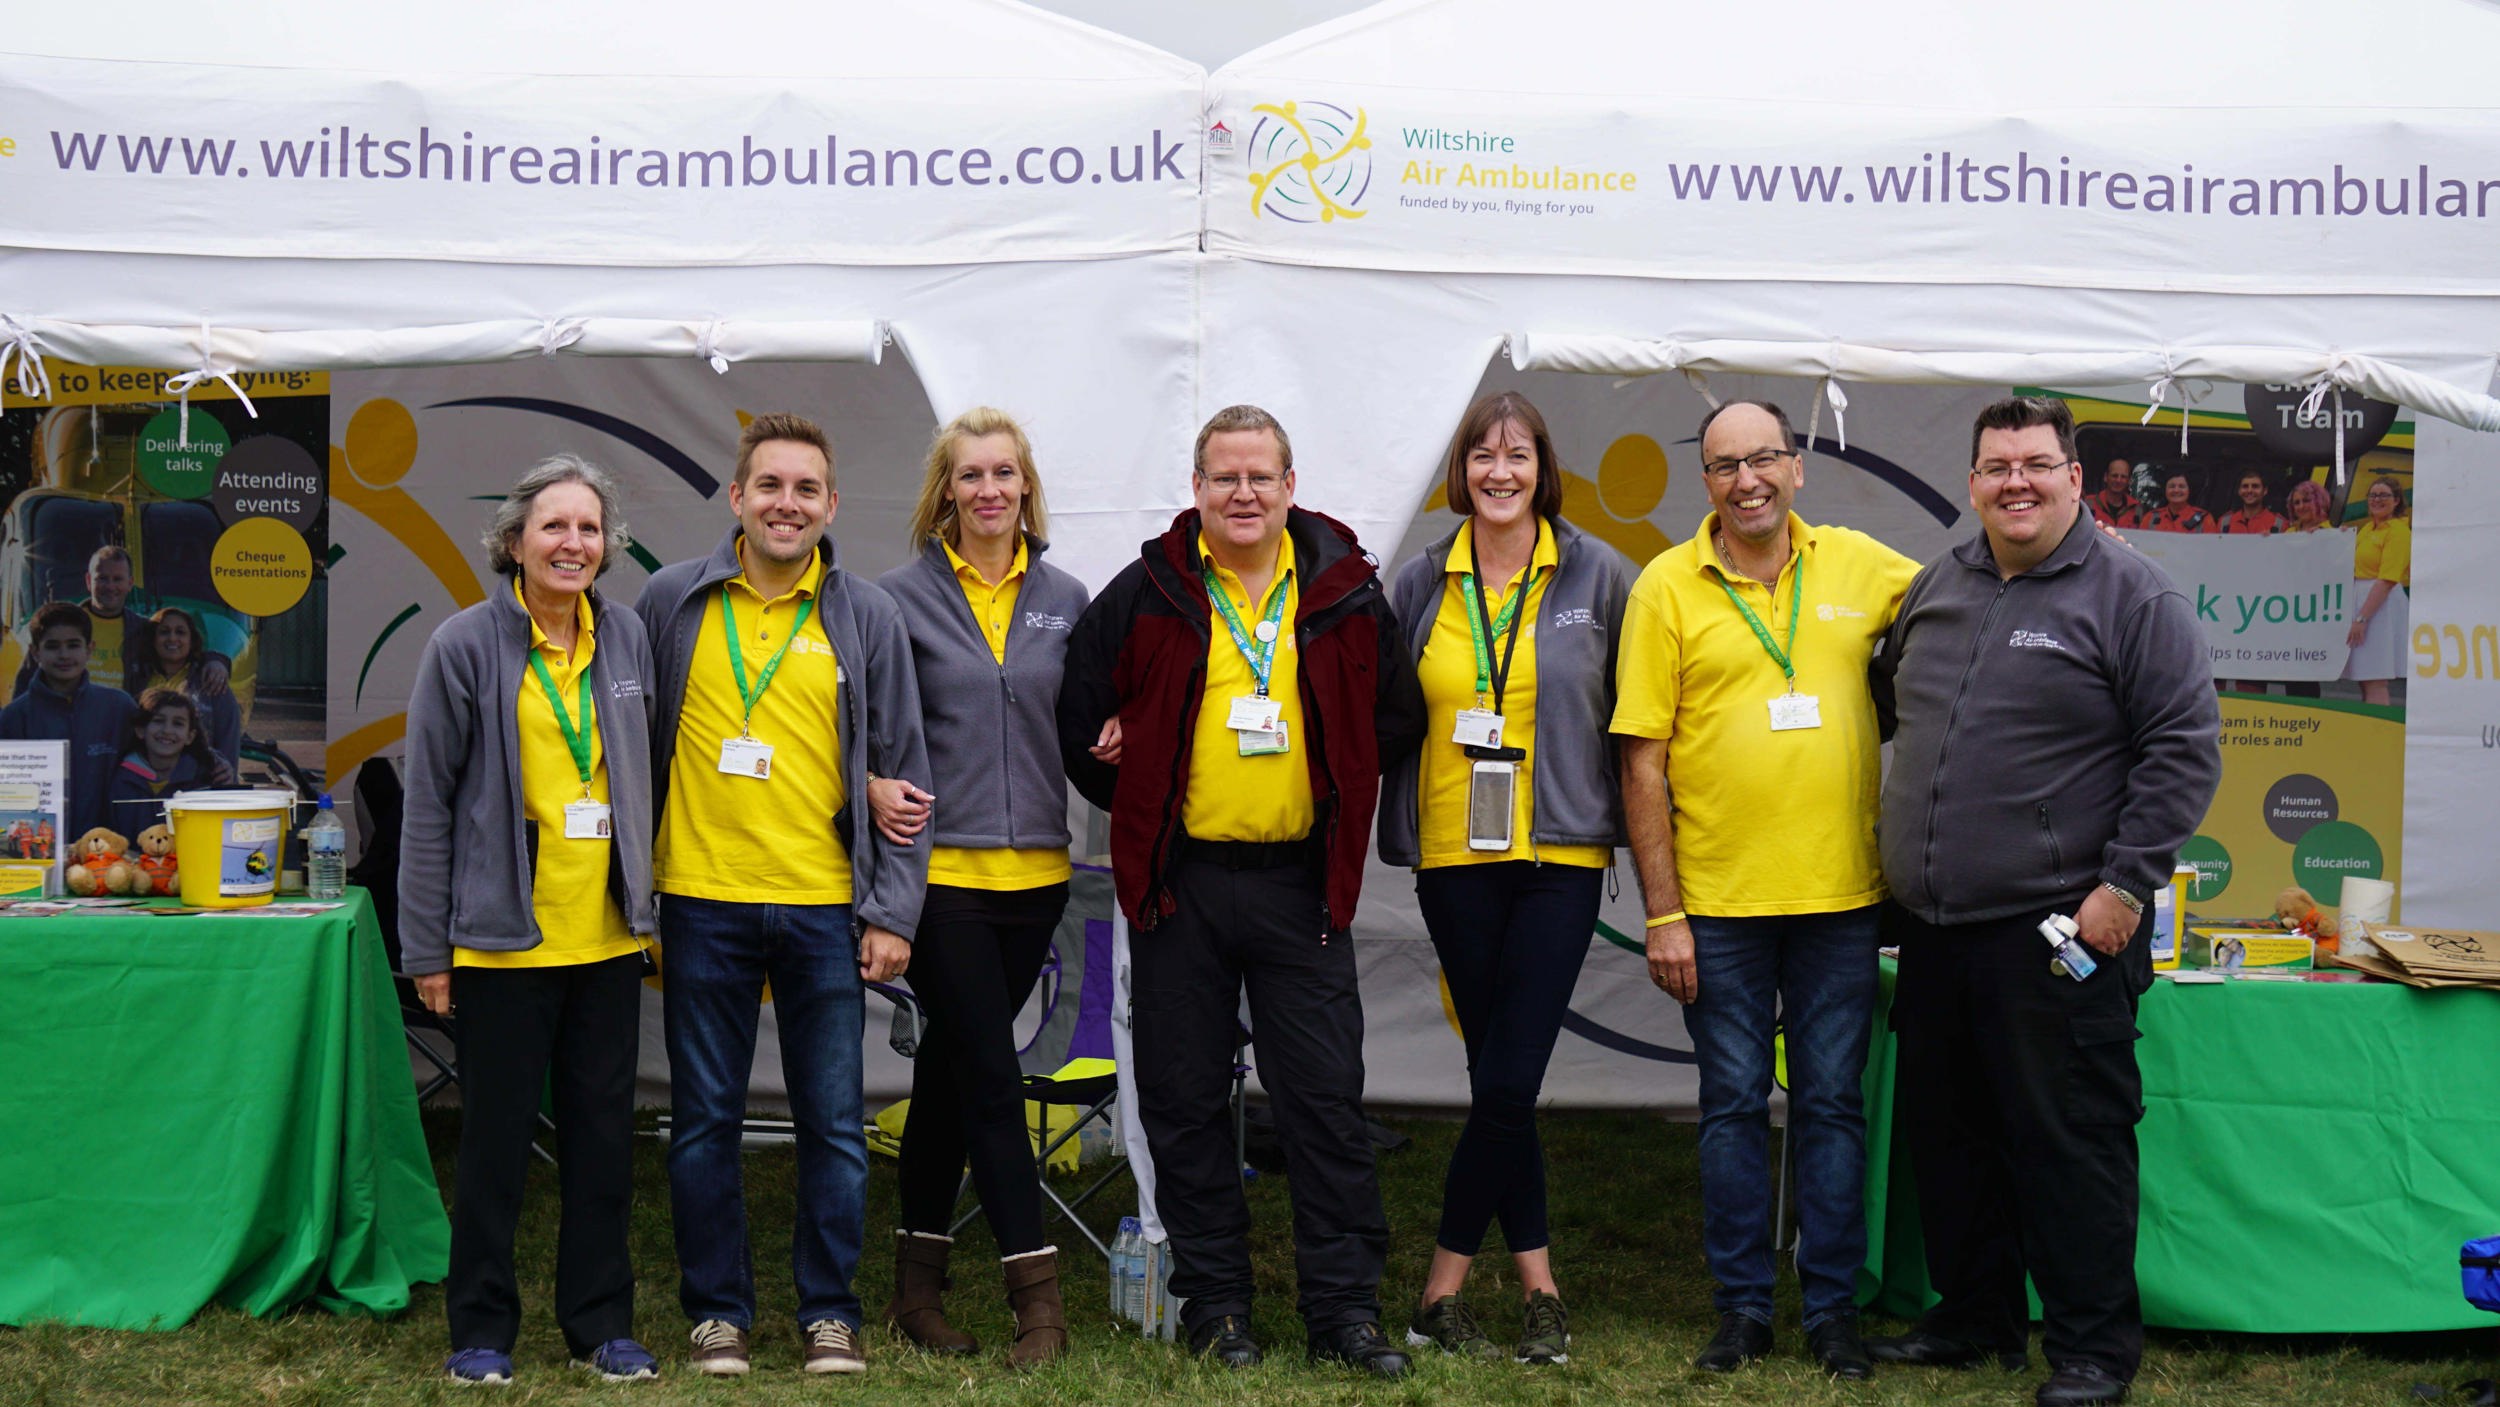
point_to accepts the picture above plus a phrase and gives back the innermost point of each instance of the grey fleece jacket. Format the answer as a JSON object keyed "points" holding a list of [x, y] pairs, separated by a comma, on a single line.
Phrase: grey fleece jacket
{"points": [[468, 853], [880, 703], [2055, 731], [1577, 796], [993, 732]]}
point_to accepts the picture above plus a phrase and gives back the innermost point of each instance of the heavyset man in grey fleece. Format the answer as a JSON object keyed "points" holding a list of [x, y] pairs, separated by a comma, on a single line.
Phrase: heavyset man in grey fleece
{"points": [[2056, 744]]}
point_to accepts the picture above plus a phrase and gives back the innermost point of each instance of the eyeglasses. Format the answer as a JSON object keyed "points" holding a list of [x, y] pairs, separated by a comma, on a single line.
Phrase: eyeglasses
{"points": [[2029, 468], [1263, 485], [1760, 461]]}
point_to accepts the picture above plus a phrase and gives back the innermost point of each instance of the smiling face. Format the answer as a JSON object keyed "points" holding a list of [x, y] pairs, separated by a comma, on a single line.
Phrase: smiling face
{"points": [[2025, 490], [2118, 479], [2382, 501], [1501, 475], [1245, 492], [785, 501], [61, 657], [562, 541], [987, 485], [108, 584], [174, 642], [1752, 502], [2174, 490], [2252, 491], [166, 733]]}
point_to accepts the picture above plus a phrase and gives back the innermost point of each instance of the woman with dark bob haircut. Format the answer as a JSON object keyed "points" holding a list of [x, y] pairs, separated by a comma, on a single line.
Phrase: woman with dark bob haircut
{"points": [[525, 908], [1509, 816]]}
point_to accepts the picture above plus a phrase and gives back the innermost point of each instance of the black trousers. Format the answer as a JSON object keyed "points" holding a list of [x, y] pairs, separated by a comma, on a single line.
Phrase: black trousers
{"points": [[522, 1031], [2019, 1098], [1511, 937], [973, 963], [1259, 930]]}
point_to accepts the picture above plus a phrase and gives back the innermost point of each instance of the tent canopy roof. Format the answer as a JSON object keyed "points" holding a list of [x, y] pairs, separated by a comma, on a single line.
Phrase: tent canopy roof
{"points": [[953, 42]]}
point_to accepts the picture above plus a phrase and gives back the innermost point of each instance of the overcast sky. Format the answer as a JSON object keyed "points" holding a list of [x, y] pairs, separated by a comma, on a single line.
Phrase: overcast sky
{"points": [[1206, 32]]}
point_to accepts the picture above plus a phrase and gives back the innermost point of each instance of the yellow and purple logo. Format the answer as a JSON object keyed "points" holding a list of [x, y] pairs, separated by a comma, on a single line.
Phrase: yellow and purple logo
{"points": [[1310, 163]]}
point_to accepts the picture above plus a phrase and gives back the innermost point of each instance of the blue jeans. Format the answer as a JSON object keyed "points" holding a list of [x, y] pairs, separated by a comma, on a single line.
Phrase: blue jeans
{"points": [[715, 959], [1817, 971]]}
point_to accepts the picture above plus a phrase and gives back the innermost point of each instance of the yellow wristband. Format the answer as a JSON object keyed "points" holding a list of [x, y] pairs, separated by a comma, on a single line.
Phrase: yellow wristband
{"points": [[1664, 919]]}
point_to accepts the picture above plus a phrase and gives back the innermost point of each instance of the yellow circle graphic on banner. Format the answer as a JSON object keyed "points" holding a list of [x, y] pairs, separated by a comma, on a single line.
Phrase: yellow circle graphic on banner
{"points": [[261, 566], [381, 443]]}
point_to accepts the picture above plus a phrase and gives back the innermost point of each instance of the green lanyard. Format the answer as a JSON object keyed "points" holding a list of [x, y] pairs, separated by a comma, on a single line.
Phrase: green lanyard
{"points": [[1796, 593], [1483, 628], [1260, 654], [576, 737], [737, 657]]}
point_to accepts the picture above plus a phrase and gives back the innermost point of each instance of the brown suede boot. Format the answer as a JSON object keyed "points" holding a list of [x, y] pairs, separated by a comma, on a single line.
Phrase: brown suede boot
{"points": [[919, 1284], [1041, 1320]]}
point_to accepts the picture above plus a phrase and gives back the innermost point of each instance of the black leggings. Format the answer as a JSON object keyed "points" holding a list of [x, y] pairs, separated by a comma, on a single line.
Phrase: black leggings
{"points": [[973, 963], [1511, 936]]}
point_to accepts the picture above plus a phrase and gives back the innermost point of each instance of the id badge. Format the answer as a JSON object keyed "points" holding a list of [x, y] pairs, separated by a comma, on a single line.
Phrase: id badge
{"points": [[1260, 744], [745, 757], [588, 820], [1796, 711], [1477, 727], [1491, 789], [1255, 713]]}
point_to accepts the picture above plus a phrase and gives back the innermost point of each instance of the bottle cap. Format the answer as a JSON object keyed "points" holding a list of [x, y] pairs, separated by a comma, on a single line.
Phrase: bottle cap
{"points": [[325, 801]]}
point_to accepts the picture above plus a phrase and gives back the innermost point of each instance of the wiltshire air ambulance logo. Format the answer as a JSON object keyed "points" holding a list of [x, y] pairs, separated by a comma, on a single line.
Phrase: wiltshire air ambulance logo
{"points": [[1310, 163]]}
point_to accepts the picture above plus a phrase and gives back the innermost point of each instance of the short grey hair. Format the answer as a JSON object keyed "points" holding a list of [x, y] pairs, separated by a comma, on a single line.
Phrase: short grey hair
{"points": [[513, 514]]}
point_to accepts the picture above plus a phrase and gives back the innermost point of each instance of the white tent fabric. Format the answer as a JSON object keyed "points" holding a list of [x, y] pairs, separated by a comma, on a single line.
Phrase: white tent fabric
{"points": [[1009, 196]]}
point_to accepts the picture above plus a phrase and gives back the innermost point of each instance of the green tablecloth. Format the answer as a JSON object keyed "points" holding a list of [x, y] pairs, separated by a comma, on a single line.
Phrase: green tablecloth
{"points": [[200, 1110], [2313, 1153]]}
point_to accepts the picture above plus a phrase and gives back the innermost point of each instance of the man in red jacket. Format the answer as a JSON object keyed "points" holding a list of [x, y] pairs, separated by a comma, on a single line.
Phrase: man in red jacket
{"points": [[1231, 699]]}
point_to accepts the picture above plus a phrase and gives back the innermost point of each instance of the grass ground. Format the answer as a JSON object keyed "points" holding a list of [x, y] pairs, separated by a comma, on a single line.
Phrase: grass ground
{"points": [[1627, 1245]]}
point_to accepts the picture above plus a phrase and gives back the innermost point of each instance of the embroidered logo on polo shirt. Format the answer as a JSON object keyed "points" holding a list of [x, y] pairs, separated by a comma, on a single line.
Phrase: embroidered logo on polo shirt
{"points": [[1830, 611]]}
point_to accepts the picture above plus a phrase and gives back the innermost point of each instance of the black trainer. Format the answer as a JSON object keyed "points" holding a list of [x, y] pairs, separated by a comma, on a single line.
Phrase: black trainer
{"points": [[1835, 1344], [2081, 1385], [1358, 1346], [1741, 1339], [1226, 1340]]}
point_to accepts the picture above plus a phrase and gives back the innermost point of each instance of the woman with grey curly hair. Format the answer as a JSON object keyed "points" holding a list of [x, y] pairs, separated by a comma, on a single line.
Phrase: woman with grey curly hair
{"points": [[526, 910]]}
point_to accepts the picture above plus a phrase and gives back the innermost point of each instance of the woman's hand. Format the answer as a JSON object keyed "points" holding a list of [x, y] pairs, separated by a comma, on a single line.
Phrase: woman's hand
{"points": [[1106, 748], [434, 989], [901, 809], [2360, 629]]}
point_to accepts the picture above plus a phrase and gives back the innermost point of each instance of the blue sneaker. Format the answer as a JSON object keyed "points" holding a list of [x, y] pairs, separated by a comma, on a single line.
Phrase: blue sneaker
{"points": [[479, 1366], [622, 1361]]}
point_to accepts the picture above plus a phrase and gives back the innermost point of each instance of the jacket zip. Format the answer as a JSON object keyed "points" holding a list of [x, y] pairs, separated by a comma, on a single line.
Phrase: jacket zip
{"points": [[2057, 858], [1935, 779]]}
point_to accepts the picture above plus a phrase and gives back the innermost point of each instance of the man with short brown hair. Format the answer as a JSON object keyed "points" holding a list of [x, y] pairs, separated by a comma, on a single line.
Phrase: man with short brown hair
{"points": [[1231, 699]]}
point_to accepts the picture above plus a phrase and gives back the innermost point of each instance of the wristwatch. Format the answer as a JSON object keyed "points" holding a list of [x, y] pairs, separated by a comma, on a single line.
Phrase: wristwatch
{"points": [[2134, 905]]}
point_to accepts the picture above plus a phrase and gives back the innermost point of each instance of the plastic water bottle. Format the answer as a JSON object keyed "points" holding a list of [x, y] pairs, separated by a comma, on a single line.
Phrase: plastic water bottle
{"points": [[1123, 1251], [325, 853], [1133, 1278], [2068, 957]]}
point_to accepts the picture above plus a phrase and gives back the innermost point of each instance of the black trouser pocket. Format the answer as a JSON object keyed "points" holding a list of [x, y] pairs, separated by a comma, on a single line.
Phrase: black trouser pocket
{"points": [[2103, 1083]]}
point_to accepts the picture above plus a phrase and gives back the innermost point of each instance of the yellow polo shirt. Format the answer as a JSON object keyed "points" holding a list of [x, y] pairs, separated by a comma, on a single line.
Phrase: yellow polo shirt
{"points": [[1232, 797], [997, 868], [2383, 552], [1765, 822], [737, 839], [104, 652], [572, 928], [1448, 672]]}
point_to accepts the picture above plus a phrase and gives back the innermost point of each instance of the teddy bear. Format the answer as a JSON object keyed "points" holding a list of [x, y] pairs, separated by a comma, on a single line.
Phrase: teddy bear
{"points": [[98, 866], [156, 871], [2301, 914]]}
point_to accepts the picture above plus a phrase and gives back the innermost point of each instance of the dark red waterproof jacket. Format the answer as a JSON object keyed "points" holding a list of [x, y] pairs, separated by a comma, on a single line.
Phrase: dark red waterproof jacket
{"points": [[1140, 652]]}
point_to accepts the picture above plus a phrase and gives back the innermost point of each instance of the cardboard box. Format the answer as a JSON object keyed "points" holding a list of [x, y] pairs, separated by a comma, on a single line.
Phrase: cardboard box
{"points": [[2249, 949], [29, 879]]}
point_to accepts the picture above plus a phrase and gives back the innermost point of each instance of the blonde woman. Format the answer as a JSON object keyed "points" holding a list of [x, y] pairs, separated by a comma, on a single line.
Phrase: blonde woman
{"points": [[2382, 572], [989, 627]]}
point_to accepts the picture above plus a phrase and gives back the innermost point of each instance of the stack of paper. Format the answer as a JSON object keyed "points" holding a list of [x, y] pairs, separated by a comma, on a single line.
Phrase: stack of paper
{"points": [[2430, 957]]}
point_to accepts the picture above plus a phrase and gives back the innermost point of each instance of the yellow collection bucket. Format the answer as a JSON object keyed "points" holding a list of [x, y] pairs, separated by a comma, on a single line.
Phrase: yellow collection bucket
{"points": [[229, 845]]}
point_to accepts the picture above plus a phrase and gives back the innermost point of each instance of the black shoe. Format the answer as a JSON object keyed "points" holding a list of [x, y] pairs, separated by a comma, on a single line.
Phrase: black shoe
{"points": [[2079, 1384], [1835, 1344], [1226, 1340], [1924, 1348], [1741, 1339], [1358, 1346]]}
